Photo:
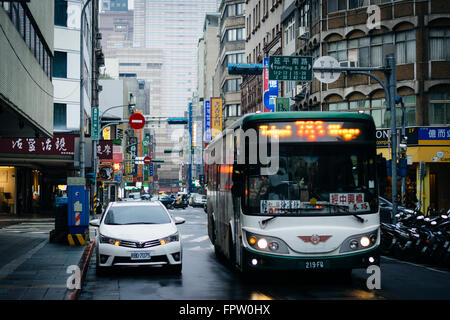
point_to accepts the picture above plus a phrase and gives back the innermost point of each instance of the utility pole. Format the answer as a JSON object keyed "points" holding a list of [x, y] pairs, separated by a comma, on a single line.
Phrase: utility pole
{"points": [[82, 138], [391, 84]]}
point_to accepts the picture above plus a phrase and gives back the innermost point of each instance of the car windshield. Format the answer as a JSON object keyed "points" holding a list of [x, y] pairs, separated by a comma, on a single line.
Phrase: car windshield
{"points": [[122, 215], [315, 179]]}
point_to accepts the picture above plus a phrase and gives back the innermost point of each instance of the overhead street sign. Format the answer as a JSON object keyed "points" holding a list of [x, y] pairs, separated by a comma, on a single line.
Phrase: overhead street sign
{"points": [[293, 68], [137, 121]]}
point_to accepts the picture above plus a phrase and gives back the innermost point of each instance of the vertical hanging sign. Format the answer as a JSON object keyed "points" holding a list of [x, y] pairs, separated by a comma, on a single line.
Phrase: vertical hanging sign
{"points": [[95, 124], [270, 93], [207, 137]]}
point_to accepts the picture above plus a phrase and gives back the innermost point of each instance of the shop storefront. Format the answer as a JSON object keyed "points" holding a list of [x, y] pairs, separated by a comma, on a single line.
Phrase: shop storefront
{"points": [[431, 147]]}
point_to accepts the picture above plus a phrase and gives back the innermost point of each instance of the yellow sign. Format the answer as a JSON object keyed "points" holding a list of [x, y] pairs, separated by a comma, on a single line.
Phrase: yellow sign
{"points": [[107, 133], [216, 116]]}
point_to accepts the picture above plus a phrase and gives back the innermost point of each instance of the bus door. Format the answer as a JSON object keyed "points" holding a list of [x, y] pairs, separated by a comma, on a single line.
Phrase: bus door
{"points": [[237, 191]]}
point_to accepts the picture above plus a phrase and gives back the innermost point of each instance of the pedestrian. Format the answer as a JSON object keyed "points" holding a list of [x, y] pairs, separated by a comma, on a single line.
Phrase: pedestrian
{"points": [[98, 208]]}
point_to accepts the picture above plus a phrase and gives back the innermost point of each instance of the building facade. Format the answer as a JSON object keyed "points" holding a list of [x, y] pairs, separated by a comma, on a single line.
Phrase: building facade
{"points": [[232, 50], [263, 39]]}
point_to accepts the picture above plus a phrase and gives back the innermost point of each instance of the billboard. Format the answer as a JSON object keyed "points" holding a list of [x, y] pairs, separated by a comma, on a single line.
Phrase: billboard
{"points": [[216, 116]]}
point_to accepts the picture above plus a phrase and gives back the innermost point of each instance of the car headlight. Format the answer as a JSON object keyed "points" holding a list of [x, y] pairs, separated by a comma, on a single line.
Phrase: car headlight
{"points": [[359, 242], [172, 238], [266, 243], [104, 239]]}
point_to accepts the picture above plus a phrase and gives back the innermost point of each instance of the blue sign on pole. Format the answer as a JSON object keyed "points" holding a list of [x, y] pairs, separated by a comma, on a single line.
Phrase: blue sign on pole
{"points": [[208, 120], [151, 169], [270, 89]]}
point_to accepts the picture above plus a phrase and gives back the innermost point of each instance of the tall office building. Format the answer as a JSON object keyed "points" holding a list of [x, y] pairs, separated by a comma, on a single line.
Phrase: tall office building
{"points": [[174, 27]]}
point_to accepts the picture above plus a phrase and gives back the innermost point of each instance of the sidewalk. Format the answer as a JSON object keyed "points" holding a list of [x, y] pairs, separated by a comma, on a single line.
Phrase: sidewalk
{"points": [[38, 269]]}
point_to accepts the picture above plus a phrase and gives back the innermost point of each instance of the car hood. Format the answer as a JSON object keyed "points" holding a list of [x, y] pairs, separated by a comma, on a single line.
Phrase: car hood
{"points": [[138, 232]]}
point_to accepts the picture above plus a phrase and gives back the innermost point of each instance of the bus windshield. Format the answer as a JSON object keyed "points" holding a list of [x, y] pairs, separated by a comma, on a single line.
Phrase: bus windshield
{"points": [[315, 179]]}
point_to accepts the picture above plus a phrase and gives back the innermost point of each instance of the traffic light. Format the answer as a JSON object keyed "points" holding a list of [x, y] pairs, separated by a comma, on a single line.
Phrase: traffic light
{"points": [[177, 120], [91, 177], [246, 69]]}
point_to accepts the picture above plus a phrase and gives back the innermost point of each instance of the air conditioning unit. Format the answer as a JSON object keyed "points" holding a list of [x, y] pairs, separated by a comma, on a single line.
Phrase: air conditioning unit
{"points": [[348, 64], [303, 33]]}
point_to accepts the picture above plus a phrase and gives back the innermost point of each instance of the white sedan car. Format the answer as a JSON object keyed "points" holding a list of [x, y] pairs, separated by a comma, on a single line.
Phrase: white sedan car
{"points": [[136, 234]]}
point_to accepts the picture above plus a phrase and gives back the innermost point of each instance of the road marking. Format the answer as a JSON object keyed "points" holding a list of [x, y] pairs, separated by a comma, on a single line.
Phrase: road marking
{"points": [[13, 265], [198, 248], [185, 236], [200, 239], [417, 265]]}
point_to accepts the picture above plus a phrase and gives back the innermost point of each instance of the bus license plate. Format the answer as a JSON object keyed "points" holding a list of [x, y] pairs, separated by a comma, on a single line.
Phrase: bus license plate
{"points": [[140, 255], [318, 264]]}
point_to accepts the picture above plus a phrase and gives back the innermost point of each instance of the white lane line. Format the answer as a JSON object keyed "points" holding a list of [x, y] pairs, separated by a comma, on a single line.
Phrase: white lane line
{"points": [[416, 265], [13, 265], [200, 239]]}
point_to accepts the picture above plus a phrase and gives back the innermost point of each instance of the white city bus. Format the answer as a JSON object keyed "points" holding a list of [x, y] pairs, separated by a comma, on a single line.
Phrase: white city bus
{"points": [[319, 210]]}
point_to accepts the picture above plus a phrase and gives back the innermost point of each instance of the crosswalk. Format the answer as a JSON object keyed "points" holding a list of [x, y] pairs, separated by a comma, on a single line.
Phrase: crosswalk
{"points": [[39, 227]]}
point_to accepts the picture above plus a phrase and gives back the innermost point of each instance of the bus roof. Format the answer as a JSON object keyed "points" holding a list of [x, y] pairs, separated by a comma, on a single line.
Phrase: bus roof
{"points": [[297, 115], [304, 115]]}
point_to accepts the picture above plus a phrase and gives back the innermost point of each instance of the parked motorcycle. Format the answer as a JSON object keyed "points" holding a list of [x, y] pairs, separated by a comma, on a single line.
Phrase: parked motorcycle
{"points": [[418, 238]]}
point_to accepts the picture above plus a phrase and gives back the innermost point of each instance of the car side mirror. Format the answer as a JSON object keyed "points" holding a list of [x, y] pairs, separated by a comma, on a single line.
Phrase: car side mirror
{"points": [[95, 223], [179, 220]]}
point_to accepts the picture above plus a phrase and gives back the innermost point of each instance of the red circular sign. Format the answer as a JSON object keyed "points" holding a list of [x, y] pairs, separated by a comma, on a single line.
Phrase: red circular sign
{"points": [[147, 160], [137, 121]]}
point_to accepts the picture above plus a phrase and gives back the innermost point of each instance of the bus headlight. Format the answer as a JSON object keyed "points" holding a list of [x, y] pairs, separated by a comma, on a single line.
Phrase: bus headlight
{"points": [[262, 244], [360, 241], [365, 242], [266, 243]]}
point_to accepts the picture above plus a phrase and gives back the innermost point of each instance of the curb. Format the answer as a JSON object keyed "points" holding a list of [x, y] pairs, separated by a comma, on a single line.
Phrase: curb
{"points": [[84, 266]]}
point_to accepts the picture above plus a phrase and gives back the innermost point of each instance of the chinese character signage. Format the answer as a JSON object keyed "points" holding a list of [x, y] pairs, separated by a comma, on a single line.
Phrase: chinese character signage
{"points": [[95, 124], [294, 68], [61, 144], [105, 150], [207, 120], [270, 93], [216, 116], [434, 135]]}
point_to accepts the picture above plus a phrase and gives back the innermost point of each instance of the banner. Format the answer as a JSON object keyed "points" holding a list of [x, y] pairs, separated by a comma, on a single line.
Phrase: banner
{"points": [[216, 116], [207, 137]]}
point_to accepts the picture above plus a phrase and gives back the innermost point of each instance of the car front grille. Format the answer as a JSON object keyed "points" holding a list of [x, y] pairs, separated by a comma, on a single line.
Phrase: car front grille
{"points": [[154, 259], [144, 244]]}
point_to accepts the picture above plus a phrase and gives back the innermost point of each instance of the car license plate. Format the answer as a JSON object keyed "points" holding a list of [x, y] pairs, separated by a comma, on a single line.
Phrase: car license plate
{"points": [[140, 255], [317, 264]]}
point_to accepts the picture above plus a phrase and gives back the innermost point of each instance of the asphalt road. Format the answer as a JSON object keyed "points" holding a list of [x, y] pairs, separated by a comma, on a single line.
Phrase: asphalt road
{"points": [[205, 278]]}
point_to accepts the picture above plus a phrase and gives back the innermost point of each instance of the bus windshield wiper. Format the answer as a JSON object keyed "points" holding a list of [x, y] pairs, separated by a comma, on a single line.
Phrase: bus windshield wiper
{"points": [[263, 223], [346, 209]]}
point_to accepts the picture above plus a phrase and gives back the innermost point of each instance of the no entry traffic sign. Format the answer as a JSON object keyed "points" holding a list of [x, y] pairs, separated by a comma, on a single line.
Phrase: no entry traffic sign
{"points": [[147, 160], [137, 121]]}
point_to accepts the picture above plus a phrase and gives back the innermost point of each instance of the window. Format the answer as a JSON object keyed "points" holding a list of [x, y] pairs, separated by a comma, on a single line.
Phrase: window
{"points": [[376, 49], [352, 4], [60, 64], [232, 110], [59, 116], [127, 75], [405, 44], [289, 30], [129, 64], [439, 44], [234, 34], [439, 108], [61, 13], [336, 5], [232, 85]]}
